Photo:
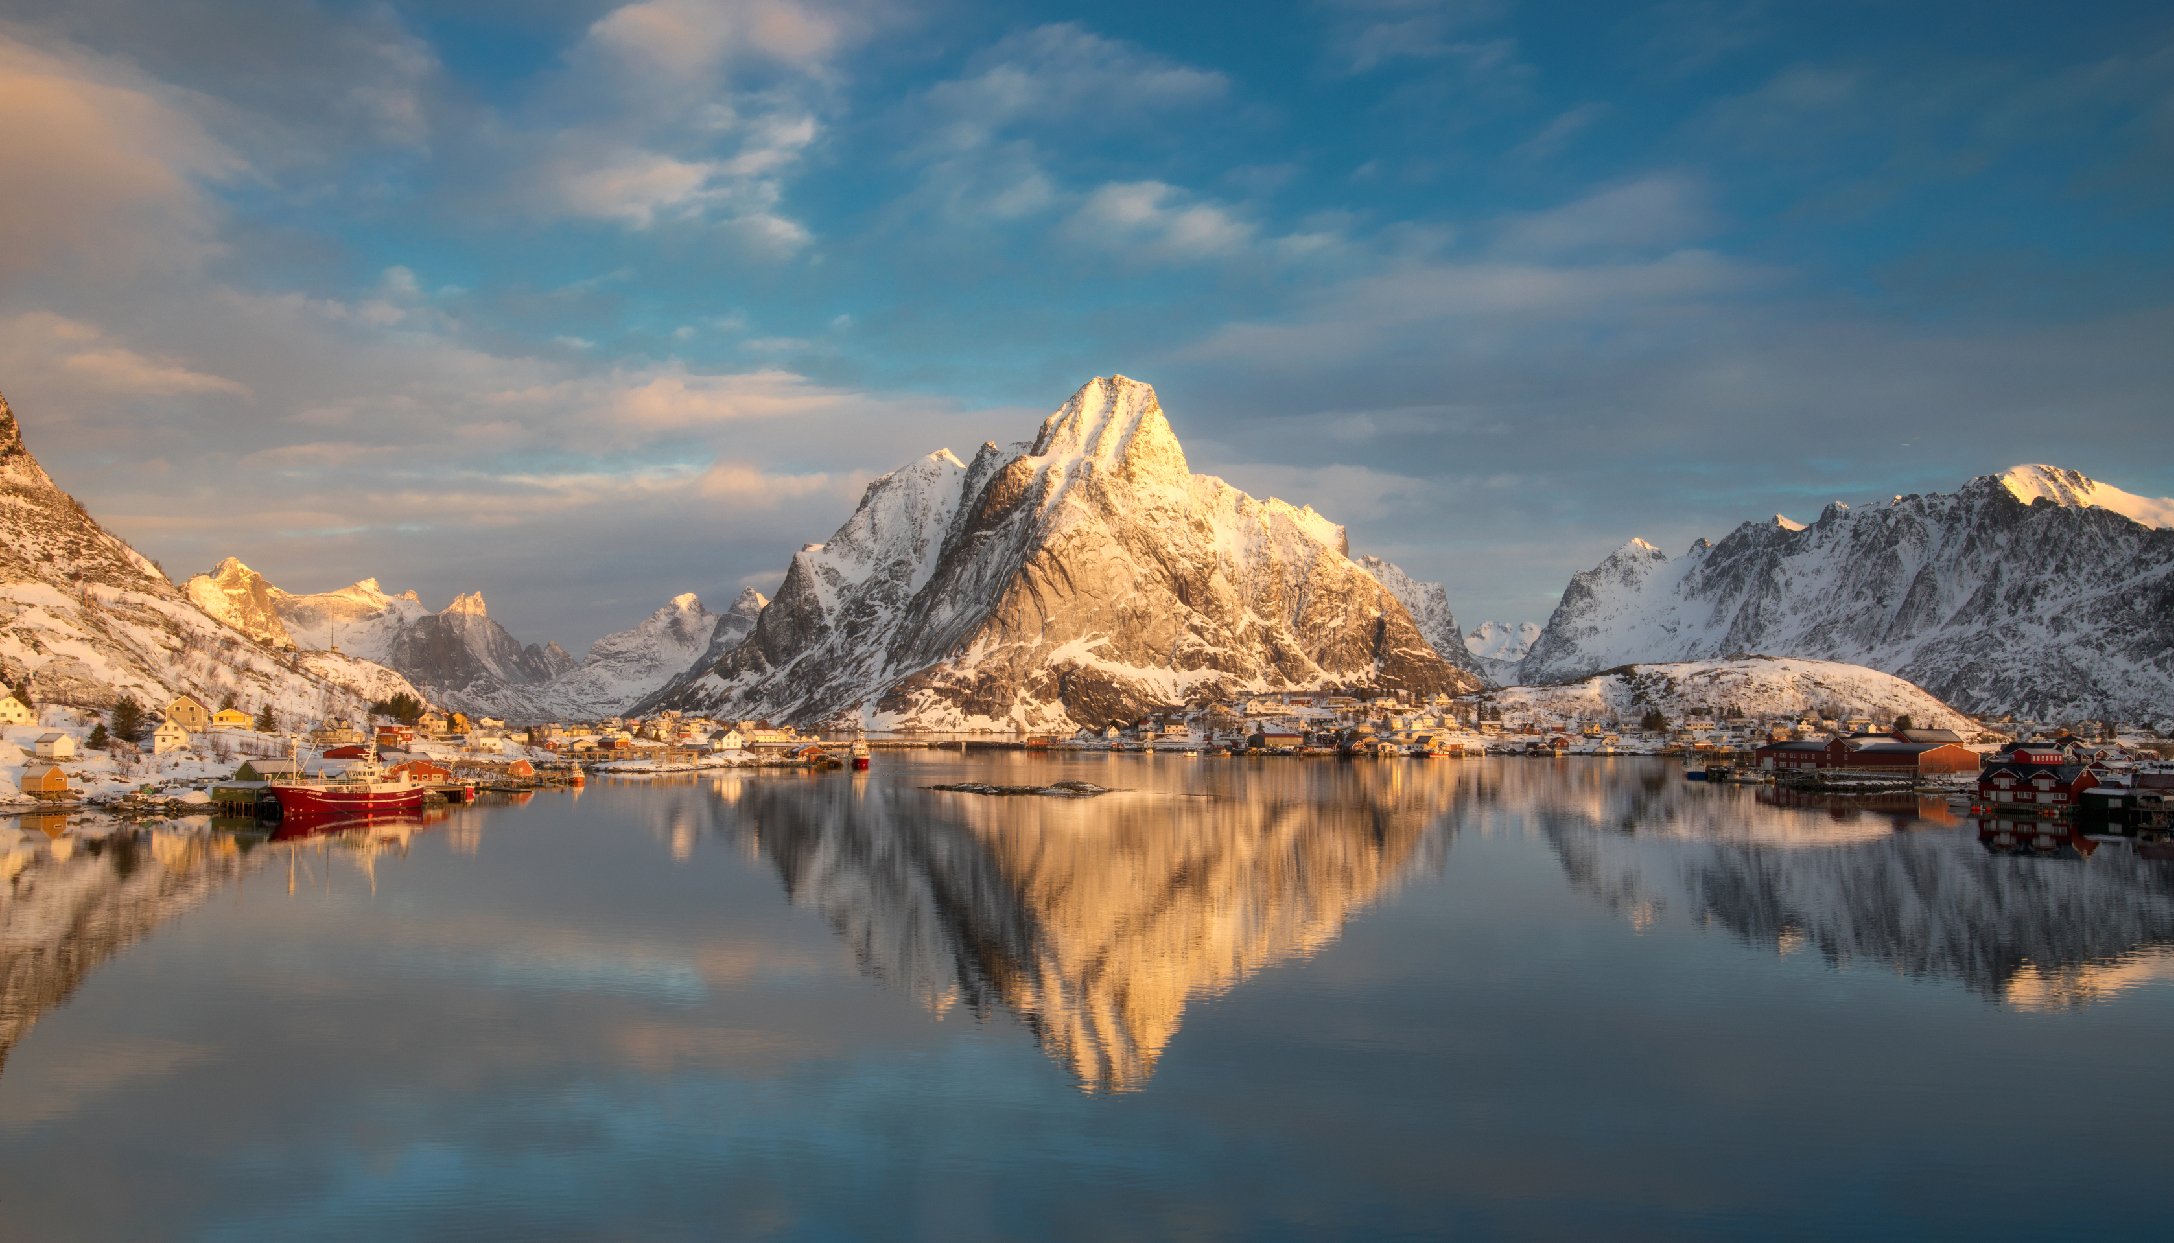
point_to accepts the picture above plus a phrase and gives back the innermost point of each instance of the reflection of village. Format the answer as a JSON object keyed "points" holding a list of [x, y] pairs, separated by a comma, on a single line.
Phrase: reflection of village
{"points": [[77, 889]]}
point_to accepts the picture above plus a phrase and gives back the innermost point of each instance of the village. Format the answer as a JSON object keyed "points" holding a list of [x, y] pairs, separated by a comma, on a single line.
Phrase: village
{"points": [[194, 757]]}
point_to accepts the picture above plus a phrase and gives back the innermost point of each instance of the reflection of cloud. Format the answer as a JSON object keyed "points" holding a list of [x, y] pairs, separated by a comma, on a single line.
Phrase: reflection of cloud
{"points": [[78, 1075]]}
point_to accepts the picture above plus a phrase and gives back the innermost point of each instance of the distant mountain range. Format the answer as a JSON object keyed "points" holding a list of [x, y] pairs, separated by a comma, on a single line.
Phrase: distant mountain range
{"points": [[1088, 576], [460, 657], [2039, 592]]}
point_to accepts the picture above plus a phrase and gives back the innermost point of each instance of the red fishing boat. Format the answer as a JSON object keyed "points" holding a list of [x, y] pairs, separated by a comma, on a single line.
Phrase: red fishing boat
{"points": [[362, 789]]}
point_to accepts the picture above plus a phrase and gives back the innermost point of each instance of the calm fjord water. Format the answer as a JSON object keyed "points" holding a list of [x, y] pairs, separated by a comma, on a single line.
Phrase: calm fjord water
{"points": [[1236, 999]]}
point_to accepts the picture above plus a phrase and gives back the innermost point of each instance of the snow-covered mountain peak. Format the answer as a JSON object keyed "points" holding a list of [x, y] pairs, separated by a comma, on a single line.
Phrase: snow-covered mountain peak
{"points": [[1114, 421], [2077, 490], [469, 604], [1083, 577], [1787, 523], [685, 602], [748, 603]]}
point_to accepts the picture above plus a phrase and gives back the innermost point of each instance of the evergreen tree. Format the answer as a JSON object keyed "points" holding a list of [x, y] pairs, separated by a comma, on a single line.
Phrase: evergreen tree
{"points": [[1902, 722], [228, 701], [98, 739], [1654, 721], [266, 723], [126, 720], [403, 707]]}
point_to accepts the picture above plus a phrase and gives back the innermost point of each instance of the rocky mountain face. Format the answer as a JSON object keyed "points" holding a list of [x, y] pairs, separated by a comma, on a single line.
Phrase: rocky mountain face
{"points": [[2038, 592], [462, 658], [86, 619], [1428, 604], [1084, 577], [1499, 648]]}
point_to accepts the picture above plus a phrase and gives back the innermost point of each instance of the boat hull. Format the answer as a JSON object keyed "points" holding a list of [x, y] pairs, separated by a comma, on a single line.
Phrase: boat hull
{"points": [[313, 802]]}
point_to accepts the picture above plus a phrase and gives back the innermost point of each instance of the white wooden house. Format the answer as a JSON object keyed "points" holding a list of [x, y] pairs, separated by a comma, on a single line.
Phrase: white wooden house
{"points": [[169, 736]]}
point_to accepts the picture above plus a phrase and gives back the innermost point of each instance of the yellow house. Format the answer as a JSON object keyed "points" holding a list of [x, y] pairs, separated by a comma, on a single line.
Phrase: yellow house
{"points": [[12, 712], [232, 718], [188, 713]]}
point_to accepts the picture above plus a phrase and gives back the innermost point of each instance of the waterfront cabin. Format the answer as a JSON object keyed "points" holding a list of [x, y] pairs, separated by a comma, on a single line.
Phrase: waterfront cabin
{"points": [[2037, 786], [55, 746], [14, 712], [421, 771], [169, 736], [1866, 753], [188, 713], [45, 782]]}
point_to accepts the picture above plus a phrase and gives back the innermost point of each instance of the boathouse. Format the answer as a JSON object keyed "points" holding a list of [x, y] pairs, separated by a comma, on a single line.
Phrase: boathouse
{"points": [[55, 746], [45, 781], [1867, 753], [2045, 787]]}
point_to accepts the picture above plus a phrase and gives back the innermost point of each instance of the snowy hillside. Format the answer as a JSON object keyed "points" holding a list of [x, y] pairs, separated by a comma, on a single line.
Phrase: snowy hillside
{"points": [[2029, 592], [85, 619], [1499, 649], [1082, 578], [1755, 686]]}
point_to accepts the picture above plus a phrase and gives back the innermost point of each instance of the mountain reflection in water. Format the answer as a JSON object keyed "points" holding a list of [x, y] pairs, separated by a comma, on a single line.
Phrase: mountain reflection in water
{"points": [[1858, 881], [69, 905], [1099, 922], [1095, 921]]}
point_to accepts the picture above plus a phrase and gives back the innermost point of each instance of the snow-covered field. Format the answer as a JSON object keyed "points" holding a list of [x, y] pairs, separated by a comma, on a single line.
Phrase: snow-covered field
{"points": [[1755, 686]]}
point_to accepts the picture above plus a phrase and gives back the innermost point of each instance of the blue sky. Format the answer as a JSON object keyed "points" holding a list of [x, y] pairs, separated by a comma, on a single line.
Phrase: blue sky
{"points": [[586, 304]]}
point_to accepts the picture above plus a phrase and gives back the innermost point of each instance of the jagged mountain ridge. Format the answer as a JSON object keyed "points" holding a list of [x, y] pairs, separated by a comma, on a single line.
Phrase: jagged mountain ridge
{"points": [[1428, 604], [620, 669], [2000, 597], [88, 619], [463, 658], [1085, 577]]}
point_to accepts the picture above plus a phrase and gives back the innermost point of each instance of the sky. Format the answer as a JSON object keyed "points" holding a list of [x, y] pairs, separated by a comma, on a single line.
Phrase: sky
{"points": [[583, 305]]}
